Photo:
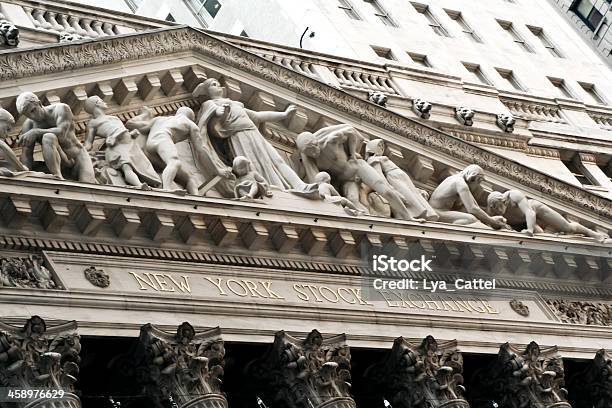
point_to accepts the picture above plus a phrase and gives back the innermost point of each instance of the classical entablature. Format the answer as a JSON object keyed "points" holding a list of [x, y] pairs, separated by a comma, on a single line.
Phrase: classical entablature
{"points": [[168, 230]]}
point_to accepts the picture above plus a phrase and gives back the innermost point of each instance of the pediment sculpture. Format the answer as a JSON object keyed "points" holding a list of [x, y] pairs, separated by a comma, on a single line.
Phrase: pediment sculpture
{"points": [[592, 388], [223, 150]]}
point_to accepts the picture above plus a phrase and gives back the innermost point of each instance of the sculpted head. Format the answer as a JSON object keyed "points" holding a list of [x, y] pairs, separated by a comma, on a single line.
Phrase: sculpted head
{"points": [[473, 174], [209, 89], [94, 102], [307, 144], [497, 203], [241, 166], [322, 177], [375, 147], [29, 105], [6, 122], [187, 112]]}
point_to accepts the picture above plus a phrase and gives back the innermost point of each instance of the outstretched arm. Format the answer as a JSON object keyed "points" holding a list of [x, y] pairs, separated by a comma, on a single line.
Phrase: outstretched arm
{"points": [[529, 212], [472, 207], [91, 135], [267, 116]]}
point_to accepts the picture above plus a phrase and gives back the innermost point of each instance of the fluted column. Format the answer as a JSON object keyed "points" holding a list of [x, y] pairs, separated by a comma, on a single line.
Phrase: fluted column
{"points": [[35, 357], [531, 378], [426, 375], [309, 373], [182, 368]]}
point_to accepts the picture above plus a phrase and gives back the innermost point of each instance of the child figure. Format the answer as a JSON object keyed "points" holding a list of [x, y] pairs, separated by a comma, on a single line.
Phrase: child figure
{"points": [[329, 193], [249, 183]]}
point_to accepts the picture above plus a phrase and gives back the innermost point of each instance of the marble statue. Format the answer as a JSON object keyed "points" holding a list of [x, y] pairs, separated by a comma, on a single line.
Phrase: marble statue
{"points": [[121, 152], [12, 164], [53, 127], [422, 108], [377, 97], [9, 34], [329, 193], [538, 217], [249, 183], [334, 149], [227, 119], [162, 134], [464, 115], [412, 197], [506, 122], [457, 191]]}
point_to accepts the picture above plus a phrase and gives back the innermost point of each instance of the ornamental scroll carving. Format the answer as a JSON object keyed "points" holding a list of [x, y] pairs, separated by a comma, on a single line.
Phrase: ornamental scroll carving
{"points": [[183, 367], [592, 388], [517, 379], [426, 375], [581, 312], [314, 372], [26, 272], [39, 357]]}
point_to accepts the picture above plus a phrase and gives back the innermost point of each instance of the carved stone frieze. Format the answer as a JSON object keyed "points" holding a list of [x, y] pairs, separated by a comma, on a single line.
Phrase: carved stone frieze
{"points": [[530, 378], [97, 277], [106, 51], [182, 368], [314, 372], [26, 272], [426, 375], [581, 312], [592, 388], [39, 357]]}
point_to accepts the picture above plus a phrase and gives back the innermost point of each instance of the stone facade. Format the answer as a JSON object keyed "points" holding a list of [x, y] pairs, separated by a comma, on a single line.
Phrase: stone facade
{"points": [[178, 176]]}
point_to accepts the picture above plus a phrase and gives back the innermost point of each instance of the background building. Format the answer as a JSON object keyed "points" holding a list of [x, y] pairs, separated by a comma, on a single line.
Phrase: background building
{"points": [[592, 19]]}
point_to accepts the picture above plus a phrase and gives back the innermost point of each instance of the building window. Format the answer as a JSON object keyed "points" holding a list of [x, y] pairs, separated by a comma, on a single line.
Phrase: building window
{"points": [[170, 18], [562, 87], [420, 59], [465, 27], [587, 12], [349, 9], [212, 6], [476, 73], [591, 90], [546, 42], [578, 170], [509, 76], [431, 19], [516, 37], [384, 53], [381, 13], [606, 169]]}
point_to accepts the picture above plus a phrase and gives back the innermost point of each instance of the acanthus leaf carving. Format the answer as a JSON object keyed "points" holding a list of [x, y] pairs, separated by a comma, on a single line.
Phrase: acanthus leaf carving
{"points": [[314, 372], [425, 375]]}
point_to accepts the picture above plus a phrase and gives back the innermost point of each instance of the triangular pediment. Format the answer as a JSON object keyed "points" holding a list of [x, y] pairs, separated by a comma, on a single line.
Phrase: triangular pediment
{"points": [[123, 68]]}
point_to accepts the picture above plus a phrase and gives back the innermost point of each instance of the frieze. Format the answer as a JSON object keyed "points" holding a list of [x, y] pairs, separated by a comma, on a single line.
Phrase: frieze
{"points": [[581, 312], [160, 42], [26, 272]]}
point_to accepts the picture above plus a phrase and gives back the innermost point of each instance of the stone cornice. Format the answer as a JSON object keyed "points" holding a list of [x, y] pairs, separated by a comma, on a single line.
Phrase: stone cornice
{"points": [[83, 54]]}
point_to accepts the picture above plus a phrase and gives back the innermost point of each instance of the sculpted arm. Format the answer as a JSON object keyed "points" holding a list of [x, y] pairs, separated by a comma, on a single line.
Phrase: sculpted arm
{"points": [[89, 139], [472, 207], [64, 121], [267, 116], [523, 204]]}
